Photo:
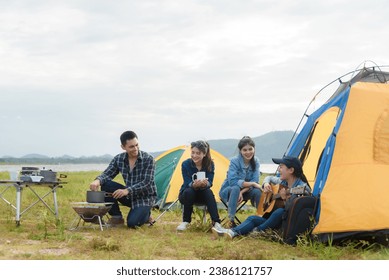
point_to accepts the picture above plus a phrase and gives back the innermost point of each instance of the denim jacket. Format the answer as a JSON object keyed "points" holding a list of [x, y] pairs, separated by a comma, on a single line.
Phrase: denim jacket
{"points": [[237, 173]]}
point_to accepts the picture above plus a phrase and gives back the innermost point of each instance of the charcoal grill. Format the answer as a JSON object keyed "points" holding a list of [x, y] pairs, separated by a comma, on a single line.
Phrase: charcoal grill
{"points": [[90, 213]]}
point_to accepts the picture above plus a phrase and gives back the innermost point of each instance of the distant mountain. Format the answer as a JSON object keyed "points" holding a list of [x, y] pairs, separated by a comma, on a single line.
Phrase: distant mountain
{"points": [[273, 144], [107, 156], [67, 157], [267, 146], [35, 156]]}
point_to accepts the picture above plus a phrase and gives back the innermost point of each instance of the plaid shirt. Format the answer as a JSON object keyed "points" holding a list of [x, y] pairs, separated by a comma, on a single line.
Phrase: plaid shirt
{"points": [[139, 181]]}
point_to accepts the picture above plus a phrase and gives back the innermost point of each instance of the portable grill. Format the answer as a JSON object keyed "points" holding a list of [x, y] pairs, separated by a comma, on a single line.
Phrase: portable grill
{"points": [[90, 213]]}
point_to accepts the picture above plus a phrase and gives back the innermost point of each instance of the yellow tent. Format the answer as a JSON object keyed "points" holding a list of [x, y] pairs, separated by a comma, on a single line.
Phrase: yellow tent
{"points": [[168, 176], [344, 147]]}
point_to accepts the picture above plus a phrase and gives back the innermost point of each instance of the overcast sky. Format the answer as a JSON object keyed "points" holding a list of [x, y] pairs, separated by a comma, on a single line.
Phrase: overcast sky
{"points": [[75, 74]]}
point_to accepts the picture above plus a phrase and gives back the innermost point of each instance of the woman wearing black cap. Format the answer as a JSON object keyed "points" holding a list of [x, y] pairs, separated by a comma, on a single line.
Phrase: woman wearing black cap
{"points": [[291, 176]]}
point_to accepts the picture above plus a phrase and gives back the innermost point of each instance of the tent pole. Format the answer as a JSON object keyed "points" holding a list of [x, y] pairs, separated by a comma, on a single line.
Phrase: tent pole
{"points": [[163, 213]]}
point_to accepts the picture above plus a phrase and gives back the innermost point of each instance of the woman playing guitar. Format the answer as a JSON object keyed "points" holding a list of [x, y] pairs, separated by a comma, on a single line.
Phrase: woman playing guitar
{"points": [[291, 176]]}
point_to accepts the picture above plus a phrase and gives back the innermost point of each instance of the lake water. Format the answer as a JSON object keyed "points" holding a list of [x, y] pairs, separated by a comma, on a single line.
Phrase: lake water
{"points": [[265, 168], [268, 167], [59, 167]]}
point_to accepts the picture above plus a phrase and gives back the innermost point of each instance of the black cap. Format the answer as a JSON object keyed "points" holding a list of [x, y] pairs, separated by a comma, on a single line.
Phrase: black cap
{"points": [[290, 162]]}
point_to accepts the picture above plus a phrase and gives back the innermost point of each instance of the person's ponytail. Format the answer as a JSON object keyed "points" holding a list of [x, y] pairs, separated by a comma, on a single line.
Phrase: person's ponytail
{"points": [[304, 178], [207, 160]]}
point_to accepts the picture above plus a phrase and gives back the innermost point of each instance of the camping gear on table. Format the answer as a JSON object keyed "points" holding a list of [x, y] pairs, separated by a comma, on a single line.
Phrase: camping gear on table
{"points": [[27, 175], [344, 148], [29, 171], [48, 175]]}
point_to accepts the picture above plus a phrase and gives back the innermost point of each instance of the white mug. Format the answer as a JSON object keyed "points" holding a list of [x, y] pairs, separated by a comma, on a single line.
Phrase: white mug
{"points": [[198, 176]]}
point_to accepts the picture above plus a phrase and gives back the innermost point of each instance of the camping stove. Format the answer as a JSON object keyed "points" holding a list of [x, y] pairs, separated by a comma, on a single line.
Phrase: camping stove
{"points": [[90, 213]]}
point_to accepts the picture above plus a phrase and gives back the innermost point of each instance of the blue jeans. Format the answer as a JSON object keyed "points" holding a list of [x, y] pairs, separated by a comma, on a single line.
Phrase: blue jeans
{"points": [[191, 196], [259, 223], [231, 195], [137, 215]]}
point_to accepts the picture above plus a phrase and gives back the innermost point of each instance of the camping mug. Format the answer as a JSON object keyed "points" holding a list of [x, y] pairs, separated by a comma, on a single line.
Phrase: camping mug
{"points": [[198, 176]]}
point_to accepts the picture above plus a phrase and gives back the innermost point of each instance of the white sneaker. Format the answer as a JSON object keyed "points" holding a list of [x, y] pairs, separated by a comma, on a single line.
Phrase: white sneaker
{"points": [[218, 226], [218, 230], [229, 233], [183, 226]]}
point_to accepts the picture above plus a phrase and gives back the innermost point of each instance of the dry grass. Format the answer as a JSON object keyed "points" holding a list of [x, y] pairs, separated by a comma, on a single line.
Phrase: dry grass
{"points": [[41, 237]]}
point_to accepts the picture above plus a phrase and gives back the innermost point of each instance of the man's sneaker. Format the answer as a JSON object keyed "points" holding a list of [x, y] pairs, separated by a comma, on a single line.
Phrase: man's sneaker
{"points": [[183, 226], [115, 221], [151, 221], [218, 230], [230, 234]]}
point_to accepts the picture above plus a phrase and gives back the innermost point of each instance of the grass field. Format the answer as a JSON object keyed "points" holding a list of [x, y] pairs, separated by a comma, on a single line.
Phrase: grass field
{"points": [[41, 237]]}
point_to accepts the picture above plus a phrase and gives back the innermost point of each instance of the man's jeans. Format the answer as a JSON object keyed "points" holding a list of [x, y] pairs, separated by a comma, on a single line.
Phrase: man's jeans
{"points": [[137, 215]]}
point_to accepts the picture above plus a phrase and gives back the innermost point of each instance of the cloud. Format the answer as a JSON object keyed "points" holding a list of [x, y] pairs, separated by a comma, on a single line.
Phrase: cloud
{"points": [[173, 71]]}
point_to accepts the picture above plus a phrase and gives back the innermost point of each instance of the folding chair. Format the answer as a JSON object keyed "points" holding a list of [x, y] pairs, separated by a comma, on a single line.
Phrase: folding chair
{"points": [[203, 208], [238, 208]]}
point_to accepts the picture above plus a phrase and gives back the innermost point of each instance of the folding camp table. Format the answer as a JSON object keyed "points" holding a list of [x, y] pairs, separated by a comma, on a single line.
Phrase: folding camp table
{"points": [[32, 186]]}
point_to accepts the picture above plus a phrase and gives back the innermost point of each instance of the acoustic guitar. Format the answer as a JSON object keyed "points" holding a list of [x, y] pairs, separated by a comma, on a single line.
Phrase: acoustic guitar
{"points": [[272, 200]]}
